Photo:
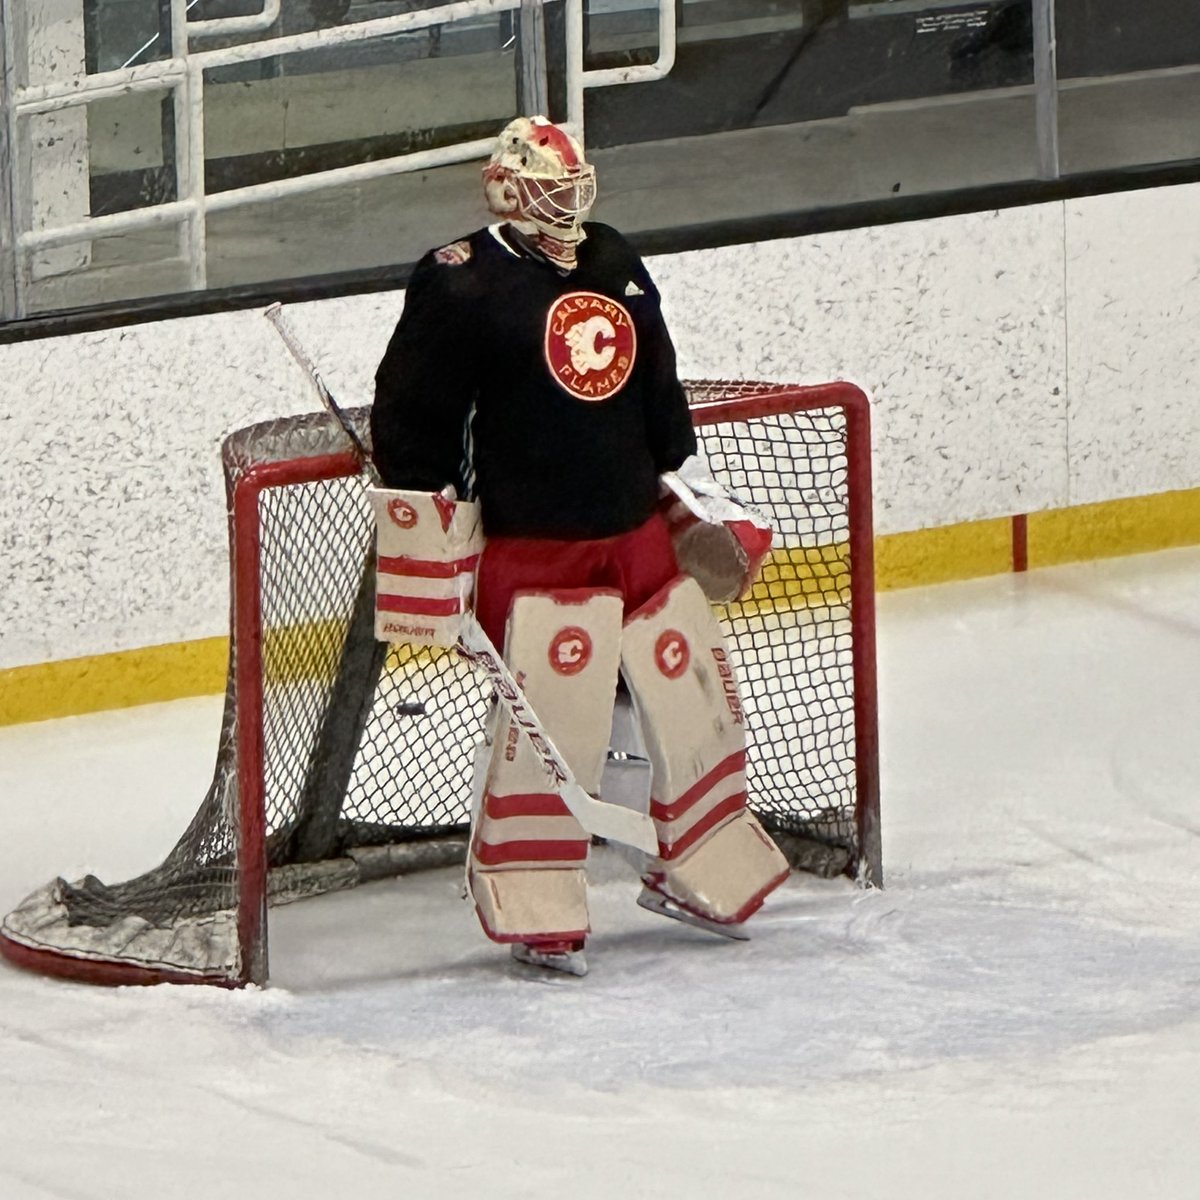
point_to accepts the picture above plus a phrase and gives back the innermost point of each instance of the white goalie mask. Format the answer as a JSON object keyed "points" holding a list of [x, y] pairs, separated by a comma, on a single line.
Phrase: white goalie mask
{"points": [[537, 176]]}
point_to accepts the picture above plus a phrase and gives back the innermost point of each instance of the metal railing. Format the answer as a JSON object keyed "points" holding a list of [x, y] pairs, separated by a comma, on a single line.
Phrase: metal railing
{"points": [[579, 79], [183, 75]]}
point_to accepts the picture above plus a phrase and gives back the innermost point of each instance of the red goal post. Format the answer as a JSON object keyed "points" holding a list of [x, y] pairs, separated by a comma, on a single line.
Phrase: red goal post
{"points": [[342, 759]]}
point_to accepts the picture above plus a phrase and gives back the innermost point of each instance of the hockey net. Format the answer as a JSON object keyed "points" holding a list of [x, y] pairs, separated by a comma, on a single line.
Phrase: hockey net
{"points": [[341, 759]]}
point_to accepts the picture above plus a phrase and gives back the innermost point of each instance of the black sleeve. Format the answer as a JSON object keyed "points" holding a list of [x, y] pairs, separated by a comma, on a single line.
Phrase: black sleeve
{"points": [[668, 419], [425, 385]]}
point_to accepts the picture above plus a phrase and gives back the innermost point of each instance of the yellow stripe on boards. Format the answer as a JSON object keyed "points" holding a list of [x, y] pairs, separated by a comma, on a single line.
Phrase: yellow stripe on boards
{"points": [[103, 681], [1115, 527], [154, 674], [310, 651], [943, 555], [799, 577]]}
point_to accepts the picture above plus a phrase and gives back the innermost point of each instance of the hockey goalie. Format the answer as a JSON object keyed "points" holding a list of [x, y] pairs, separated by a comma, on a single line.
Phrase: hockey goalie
{"points": [[531, 375]]}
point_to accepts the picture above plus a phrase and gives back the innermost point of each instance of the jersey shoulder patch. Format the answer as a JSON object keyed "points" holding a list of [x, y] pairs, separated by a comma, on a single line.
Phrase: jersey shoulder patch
{"points": [[454, 255]]}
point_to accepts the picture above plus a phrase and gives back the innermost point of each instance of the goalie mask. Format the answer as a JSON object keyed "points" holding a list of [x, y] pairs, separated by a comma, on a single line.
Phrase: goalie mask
{"points": [[537, 178]]}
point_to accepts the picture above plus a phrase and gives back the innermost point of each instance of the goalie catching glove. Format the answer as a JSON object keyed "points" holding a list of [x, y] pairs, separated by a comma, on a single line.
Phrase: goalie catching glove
{"points": [[720, 542], [428, 549]]}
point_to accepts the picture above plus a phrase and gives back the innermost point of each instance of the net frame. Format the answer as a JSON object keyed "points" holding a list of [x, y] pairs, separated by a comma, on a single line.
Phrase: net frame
{"points": [[233, 820]]}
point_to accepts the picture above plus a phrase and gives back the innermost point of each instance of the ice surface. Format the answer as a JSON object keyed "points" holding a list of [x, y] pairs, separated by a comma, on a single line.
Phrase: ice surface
{"points": [[1014, 1016]]}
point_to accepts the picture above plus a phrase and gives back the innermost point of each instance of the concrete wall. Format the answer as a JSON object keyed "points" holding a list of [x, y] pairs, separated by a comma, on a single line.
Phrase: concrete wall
{"points": [[1019, 360]]}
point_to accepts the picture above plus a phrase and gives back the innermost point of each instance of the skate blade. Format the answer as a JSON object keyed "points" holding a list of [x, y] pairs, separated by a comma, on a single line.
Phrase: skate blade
{"points": [[571, 962], [656, 902]]}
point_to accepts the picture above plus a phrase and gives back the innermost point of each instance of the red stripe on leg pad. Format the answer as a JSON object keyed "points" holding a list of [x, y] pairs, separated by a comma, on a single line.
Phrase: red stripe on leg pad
{"points": [[488, 855], [526, 804], [427, 568], [706, 824], [699, 789]]}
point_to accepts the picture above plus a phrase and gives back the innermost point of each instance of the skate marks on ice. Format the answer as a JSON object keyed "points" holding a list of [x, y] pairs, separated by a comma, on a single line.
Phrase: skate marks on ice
{"points": [[834, 984]]}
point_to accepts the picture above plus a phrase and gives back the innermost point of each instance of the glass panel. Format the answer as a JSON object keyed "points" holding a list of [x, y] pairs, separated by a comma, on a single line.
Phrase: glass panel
{"points": [[128, 32], [275, 119], [288, 117], [1129, 83], [124, 160], [775, 107]]}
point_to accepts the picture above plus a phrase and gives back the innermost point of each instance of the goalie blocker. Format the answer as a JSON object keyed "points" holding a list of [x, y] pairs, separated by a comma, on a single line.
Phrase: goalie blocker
{"points": [[428, 548]]}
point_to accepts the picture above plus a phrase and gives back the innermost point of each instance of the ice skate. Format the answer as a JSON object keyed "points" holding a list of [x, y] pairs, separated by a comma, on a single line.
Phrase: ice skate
{"points": [[566, 957], [657, 902]]}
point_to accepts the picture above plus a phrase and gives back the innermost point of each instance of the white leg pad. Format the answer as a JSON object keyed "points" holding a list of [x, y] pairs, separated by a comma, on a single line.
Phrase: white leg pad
{"points": [[530, 905], [674, 659], [526, 866], [715, 859], [564, 648], [726, 877]]}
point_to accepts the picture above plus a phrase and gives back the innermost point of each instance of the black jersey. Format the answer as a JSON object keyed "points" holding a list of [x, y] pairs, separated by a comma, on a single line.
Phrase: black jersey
{"points": [[552, 398]]}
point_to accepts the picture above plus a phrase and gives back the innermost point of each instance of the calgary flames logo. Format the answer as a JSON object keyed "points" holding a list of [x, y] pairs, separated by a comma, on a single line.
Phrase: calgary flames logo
{"points": [[671, 653], [402, 513], [570, 650], [591, 345]]}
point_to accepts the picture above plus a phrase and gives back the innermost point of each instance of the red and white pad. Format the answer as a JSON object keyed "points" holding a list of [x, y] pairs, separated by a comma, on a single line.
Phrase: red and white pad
{"points": [[428, 548], [714, 858], [717, 540], [528, 853]]}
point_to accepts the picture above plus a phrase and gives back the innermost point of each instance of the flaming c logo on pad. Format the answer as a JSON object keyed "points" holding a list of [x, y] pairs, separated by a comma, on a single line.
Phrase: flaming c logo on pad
{"points": [[671, 653], [402, 513], [591, 345], [570, 650]]}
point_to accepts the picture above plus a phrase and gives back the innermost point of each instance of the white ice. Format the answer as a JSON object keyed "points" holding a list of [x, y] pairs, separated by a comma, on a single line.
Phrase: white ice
{"points": [[1015, 1015]]}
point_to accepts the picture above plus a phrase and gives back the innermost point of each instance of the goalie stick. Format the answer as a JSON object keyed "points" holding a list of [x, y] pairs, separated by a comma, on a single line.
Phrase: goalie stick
{"points": [[610, 821], [274, 314]]}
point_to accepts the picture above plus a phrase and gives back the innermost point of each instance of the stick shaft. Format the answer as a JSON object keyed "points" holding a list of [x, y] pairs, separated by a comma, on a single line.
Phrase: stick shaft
{"points": [[274, 314]]}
